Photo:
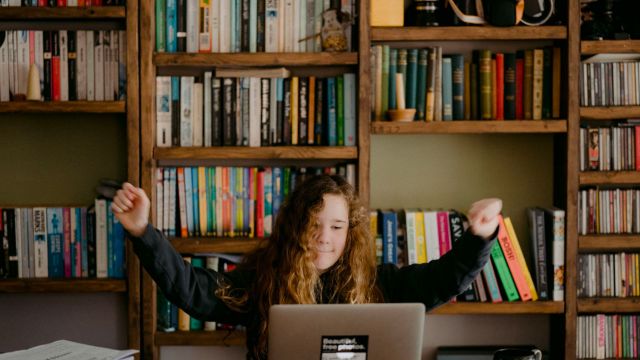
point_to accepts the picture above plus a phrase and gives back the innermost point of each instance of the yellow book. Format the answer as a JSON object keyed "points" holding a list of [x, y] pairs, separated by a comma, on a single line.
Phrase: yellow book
{"points": [[515, 244], [373, 229], [538, 68], [184, 319], [387, 12], [293, 114], [421, 244], [202, 200]]}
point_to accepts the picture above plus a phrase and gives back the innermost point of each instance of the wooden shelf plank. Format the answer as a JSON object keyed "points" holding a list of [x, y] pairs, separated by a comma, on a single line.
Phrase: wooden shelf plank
{"points": [[610, 112], [588, 243], [63, 107], [530, 307], [609, 305], [269, 152], [223, 245], [256, 59], [467, 33], [609, 46], [200, 338], [62, 13], [62, 285], [469, 127], [609, 177]]}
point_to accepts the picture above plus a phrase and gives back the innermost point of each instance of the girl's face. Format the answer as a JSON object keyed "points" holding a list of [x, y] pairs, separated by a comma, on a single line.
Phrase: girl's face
{"points": [[332, 228]]}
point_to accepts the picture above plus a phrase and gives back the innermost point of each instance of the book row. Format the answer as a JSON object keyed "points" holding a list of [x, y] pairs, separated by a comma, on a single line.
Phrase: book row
{"points": [[171, 318], [604, 336], [610, 83], [608, 211], [61, 3], [604, 275], [72, 65], [523, 85], [227, 201], [609, 148], [229, 26], [415, 236], [76, 242], [254, 111]]}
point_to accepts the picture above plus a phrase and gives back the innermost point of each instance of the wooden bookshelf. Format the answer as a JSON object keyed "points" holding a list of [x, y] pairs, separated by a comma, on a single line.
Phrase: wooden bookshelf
{"points": [[609, 46], [256, 59], [504, 308], [609, 112], [592, 243], [235, 245], [468, 33], [609, 305], [609, 177], [469, 127], [62, 13], [62, 285], [201, 338], [261, 153], [113, 107]]}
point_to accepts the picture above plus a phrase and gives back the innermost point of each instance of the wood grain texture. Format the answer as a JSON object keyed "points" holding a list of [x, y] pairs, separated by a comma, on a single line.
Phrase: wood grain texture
{"points": [[201, 338], [608, 243], [507, 308], [609, 177], [256, 59], [270, 152], [364, 105], [468, 33], [235, 245], [609, 305], [63, 107], [609, 46], [468, 127], [609, 112], [62, 13], [62, 285]]}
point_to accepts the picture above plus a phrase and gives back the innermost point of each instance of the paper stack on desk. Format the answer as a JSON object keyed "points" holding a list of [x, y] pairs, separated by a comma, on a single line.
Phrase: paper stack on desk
{"points": [[68, 350]]}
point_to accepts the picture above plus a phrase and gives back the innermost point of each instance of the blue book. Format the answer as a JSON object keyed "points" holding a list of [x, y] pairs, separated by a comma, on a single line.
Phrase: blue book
{"points": [[389, 229], [188, 189], [447, 94], [173, 201], [331, 112], [110, 240], [211, 198], [457, 87], [421, 94], [196, 203], [350, 105], [55, 242], [393, 69], [277, 191], [268, 201], [76, 247], [84, 236], [340, 110], [237, 44], [172, 26], [118, 250], [411, 87]]}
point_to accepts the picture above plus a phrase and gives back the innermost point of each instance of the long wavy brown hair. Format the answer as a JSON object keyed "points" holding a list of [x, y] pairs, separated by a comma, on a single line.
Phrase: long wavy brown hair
{"points": [[283, 264]]}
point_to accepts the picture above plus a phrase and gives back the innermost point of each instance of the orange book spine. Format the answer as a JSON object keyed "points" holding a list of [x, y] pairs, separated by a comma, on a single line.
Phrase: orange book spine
{"points": [[512, 261]]}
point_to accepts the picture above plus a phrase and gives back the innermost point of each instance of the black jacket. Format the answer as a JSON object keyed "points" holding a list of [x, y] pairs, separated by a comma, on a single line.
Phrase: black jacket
{"points": [[192, 289]]}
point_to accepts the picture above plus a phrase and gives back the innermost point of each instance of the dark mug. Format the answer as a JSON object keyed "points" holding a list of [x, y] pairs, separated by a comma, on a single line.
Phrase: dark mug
{"points": [[517, 354]]}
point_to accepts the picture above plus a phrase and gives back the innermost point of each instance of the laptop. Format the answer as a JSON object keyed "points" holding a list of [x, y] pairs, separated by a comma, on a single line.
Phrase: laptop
{"points": [[344, 331]]}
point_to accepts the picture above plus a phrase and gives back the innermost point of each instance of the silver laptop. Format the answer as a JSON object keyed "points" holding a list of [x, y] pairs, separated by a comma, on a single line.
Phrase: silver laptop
{"points": [[356, 332]]}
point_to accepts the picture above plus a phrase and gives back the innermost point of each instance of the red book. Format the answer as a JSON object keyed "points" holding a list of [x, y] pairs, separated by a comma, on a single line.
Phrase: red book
{"points": [[96, 2], [260, 205], [61, 3], [499, 86], [42, 3], [55, 66], [512, 261], [443, 232], [66, 226], [519, 88]]}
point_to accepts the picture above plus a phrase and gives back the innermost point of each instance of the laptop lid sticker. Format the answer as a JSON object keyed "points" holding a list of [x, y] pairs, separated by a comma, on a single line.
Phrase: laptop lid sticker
{"points": [[346, 347]]}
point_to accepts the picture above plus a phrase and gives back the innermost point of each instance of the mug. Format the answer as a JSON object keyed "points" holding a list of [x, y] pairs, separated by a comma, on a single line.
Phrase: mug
{"points": [[517, 354]]}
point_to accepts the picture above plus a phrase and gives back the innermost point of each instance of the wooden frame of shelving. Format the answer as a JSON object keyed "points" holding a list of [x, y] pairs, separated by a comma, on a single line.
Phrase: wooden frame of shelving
{"points": [[50, 18], [469, 127], [467, 33]]}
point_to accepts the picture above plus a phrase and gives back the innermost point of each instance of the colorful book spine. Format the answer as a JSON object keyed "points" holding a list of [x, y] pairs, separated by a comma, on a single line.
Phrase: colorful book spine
{"points": [[411, 84], [447, 90], [509, 86], [520, 257], [484, 70], [502, 269], [393, 69], [511, 258], [55, 242], [422, 84], [458, 86]]}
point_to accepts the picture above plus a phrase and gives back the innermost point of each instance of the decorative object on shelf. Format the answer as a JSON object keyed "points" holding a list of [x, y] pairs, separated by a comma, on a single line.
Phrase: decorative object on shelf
{"points": [[334, 25], [494, 12], [401, 113], [387, 13], [599, 21], [538, 12], [423, 13], [33, 89]]}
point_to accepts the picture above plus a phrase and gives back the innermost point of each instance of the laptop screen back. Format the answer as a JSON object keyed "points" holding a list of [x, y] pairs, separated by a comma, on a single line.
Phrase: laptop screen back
{"points": [[357, 332]]}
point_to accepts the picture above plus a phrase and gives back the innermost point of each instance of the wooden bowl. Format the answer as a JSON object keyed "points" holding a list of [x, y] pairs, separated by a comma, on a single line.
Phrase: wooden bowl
{"points": [[401, 114]]}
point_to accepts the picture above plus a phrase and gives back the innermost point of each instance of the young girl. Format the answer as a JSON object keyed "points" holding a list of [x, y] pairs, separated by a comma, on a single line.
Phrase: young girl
{"points": [[320, 252]]}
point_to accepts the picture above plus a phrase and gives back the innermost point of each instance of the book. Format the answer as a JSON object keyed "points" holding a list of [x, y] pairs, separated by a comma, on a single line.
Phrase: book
{"points": [[535, 218], [554, 233], [510, 254], [520, 257]]}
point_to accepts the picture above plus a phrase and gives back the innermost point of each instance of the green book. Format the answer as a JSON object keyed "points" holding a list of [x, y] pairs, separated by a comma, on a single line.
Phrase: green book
{"points": [[485, 85], [457, 83], [402, 66], [411, 79], [393, 69], [421, 96], [510, 86], [161, 25], [286, 183], [340, 109], [195, 324], [163, 308], [503, 272], [385, 80]]}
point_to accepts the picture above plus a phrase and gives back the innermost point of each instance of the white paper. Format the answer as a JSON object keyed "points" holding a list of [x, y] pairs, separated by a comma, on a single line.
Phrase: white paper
{"points": [[68, 350]]}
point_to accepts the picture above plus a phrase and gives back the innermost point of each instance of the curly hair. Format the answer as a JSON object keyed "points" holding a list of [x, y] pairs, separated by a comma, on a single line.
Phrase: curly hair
{"points": [[285, 273]]}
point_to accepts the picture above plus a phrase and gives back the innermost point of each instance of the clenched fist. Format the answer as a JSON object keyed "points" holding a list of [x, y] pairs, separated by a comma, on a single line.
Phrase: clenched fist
{"points": [[131, 207], [483, 217]]}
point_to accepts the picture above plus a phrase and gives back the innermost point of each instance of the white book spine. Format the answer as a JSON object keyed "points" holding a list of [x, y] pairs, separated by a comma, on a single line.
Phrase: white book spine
{"points": [[310, 24], [163, 111], [18, 237], [207, 108], [255, 107], [295, 25], [90, 65], [350, 109], [186, 121], [99, 65], [115, 57], [40, 242], [271, 26], [172, 202], [302, 25], [159, 198], [273, 110], [198, 124], [281, 24], [225, 26], [215, 25], [64, 66], [30, 243], [101, 239], [39, 59], [81, 65], [192, 25], [106, 65], [4, 65], [23, 61], [287, 25], [165, 201]]}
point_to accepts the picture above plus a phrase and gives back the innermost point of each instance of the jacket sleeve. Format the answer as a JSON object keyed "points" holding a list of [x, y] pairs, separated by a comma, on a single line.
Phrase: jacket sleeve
{"points": [[189, 288], [439, 280]]}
